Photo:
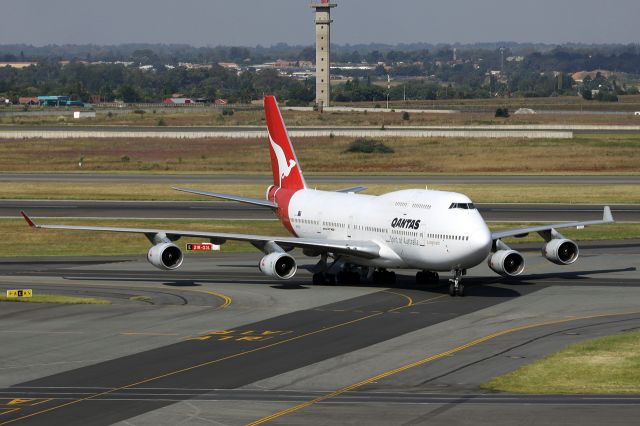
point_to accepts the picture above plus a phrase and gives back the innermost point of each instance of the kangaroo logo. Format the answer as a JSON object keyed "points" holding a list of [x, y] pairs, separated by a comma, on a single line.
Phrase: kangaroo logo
{"points": [[284, 169]]}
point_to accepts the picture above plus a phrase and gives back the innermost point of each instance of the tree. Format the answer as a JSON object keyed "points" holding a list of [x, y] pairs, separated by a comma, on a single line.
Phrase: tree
{"points": [[128, 94]]}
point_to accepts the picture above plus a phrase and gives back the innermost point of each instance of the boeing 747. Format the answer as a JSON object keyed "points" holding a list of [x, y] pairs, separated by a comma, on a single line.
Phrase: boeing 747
{"points": [[359, 236]]}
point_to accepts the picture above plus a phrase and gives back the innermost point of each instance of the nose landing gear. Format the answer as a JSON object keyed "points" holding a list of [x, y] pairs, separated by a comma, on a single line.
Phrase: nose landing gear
{"points": [[456, 288]]}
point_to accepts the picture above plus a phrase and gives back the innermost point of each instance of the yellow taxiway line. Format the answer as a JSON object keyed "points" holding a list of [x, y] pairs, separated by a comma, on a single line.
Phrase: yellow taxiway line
{"points": [[425, 361]]}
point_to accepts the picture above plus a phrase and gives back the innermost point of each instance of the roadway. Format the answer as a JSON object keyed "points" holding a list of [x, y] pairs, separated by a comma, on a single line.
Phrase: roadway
{"points": [[232, 210], [216, 342]]}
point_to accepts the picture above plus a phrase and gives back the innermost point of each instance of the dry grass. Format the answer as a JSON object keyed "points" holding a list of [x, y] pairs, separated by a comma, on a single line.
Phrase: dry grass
{"points": [[608, 365], [480, 193], [20, 240], [199, 117], [585, 154], [58, 299]]}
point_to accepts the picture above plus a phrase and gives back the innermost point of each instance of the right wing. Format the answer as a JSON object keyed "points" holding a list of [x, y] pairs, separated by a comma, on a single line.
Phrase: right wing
{"points": [[364, 249], [607, 218]]}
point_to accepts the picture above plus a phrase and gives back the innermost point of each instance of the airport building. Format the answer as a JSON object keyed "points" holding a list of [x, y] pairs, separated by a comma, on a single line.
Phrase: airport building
{"points": [[323, 52]]}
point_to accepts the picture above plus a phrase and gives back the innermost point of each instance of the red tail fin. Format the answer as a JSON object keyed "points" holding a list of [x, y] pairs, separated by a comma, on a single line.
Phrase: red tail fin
{"points": [[284, 163]]}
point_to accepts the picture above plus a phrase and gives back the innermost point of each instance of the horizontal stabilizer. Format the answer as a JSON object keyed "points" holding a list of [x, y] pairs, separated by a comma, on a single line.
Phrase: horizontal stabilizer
{"points": [[246, 200], [354, 189]]}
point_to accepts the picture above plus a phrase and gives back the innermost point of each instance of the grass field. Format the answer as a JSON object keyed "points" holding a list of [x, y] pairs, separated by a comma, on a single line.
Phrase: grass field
{"points": [[479, 193], [198, 117], [610, 154], [19, 240], [303, 118], [608, 365], [58, 299]]}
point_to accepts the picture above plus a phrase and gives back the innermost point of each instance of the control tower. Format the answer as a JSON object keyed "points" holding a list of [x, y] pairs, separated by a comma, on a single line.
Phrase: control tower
{"points": [[323, 52]]}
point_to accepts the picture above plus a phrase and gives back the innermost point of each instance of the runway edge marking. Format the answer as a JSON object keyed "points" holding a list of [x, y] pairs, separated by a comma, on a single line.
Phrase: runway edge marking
{"points": [[425, 361]]}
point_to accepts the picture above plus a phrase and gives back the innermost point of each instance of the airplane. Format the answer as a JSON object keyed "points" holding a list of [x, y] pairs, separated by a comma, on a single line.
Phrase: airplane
{"points": [[358, 236]]}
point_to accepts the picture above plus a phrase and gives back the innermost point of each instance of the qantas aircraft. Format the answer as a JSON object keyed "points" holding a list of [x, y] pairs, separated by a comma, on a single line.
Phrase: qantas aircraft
{"points": [[363, 236]]}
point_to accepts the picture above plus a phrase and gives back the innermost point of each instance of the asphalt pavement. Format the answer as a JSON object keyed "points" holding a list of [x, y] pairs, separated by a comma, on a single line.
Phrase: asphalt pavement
{"points": [[217, 342]]}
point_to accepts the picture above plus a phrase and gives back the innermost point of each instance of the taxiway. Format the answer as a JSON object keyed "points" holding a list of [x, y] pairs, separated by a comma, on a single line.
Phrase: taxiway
{"points": [[218, 342]]}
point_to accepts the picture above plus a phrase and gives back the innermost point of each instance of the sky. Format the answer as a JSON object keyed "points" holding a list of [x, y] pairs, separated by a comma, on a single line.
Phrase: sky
{"points": [[266, 22]]}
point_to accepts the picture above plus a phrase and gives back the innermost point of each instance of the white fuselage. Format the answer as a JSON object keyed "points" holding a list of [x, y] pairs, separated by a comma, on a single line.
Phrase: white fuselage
{"points": [[417, 229]]}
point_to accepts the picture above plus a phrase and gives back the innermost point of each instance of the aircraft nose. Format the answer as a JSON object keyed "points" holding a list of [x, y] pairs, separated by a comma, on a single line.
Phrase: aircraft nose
{"points": [[480, 241]]}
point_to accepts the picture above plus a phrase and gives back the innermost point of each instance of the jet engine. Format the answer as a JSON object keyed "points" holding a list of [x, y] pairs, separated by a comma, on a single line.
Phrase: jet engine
{"points": [[561, 251], [278, 265], [508, 263], [165, 256]]}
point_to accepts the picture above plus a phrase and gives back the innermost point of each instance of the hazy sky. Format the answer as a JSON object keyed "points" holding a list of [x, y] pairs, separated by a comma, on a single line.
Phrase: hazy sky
{"points": [[251, 22]]}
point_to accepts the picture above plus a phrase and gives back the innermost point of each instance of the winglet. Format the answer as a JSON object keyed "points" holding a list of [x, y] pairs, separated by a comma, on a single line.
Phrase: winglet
{"points": [[607, 216], [28, 219]]}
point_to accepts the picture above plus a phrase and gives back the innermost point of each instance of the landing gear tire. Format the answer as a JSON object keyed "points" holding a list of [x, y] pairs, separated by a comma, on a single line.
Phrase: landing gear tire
{"points": [[460, 290], [452, 290], [348, 277], [384, 277], [331, 279], [319, 279], [427, 278]]}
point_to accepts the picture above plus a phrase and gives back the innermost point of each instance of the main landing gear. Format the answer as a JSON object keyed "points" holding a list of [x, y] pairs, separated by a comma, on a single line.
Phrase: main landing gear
{"points": [[456, 288], [427, 278], [383, 277], [326, 274]]}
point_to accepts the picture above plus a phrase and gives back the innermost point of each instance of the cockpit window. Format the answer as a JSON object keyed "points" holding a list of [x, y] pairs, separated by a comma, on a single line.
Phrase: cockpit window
{"points": [[464, 206]]}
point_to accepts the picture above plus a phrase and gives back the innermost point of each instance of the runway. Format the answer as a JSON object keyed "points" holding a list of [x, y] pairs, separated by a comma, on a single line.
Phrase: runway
{"points": [[232, 210], [350, 180], [218, 342]]}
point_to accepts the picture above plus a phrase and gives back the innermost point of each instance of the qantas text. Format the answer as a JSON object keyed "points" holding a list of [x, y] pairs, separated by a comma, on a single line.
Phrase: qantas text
{"points": [[405, 223]]}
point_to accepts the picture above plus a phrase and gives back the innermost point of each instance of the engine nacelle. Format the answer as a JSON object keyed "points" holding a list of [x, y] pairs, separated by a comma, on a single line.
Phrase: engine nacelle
{"points": [[165, 256], [508, 263], [278, 265], [561, 251]]}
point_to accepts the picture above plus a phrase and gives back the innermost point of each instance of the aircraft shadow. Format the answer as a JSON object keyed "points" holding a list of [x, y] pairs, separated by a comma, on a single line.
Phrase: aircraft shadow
{"points": [[574, 275]]}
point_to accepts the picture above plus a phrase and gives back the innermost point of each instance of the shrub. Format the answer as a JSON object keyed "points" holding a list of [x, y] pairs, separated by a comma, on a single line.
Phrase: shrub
{"points": [[139, 111], [297, 102], [161, 122], [502, 112], [125, 159], [607, 97], [369, 146], [228, 112], [406, 116]]}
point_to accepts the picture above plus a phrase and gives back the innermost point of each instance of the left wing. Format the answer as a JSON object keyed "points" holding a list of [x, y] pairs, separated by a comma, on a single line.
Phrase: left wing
{"points": [[365, 249], [607, 217], [238, 198]]}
